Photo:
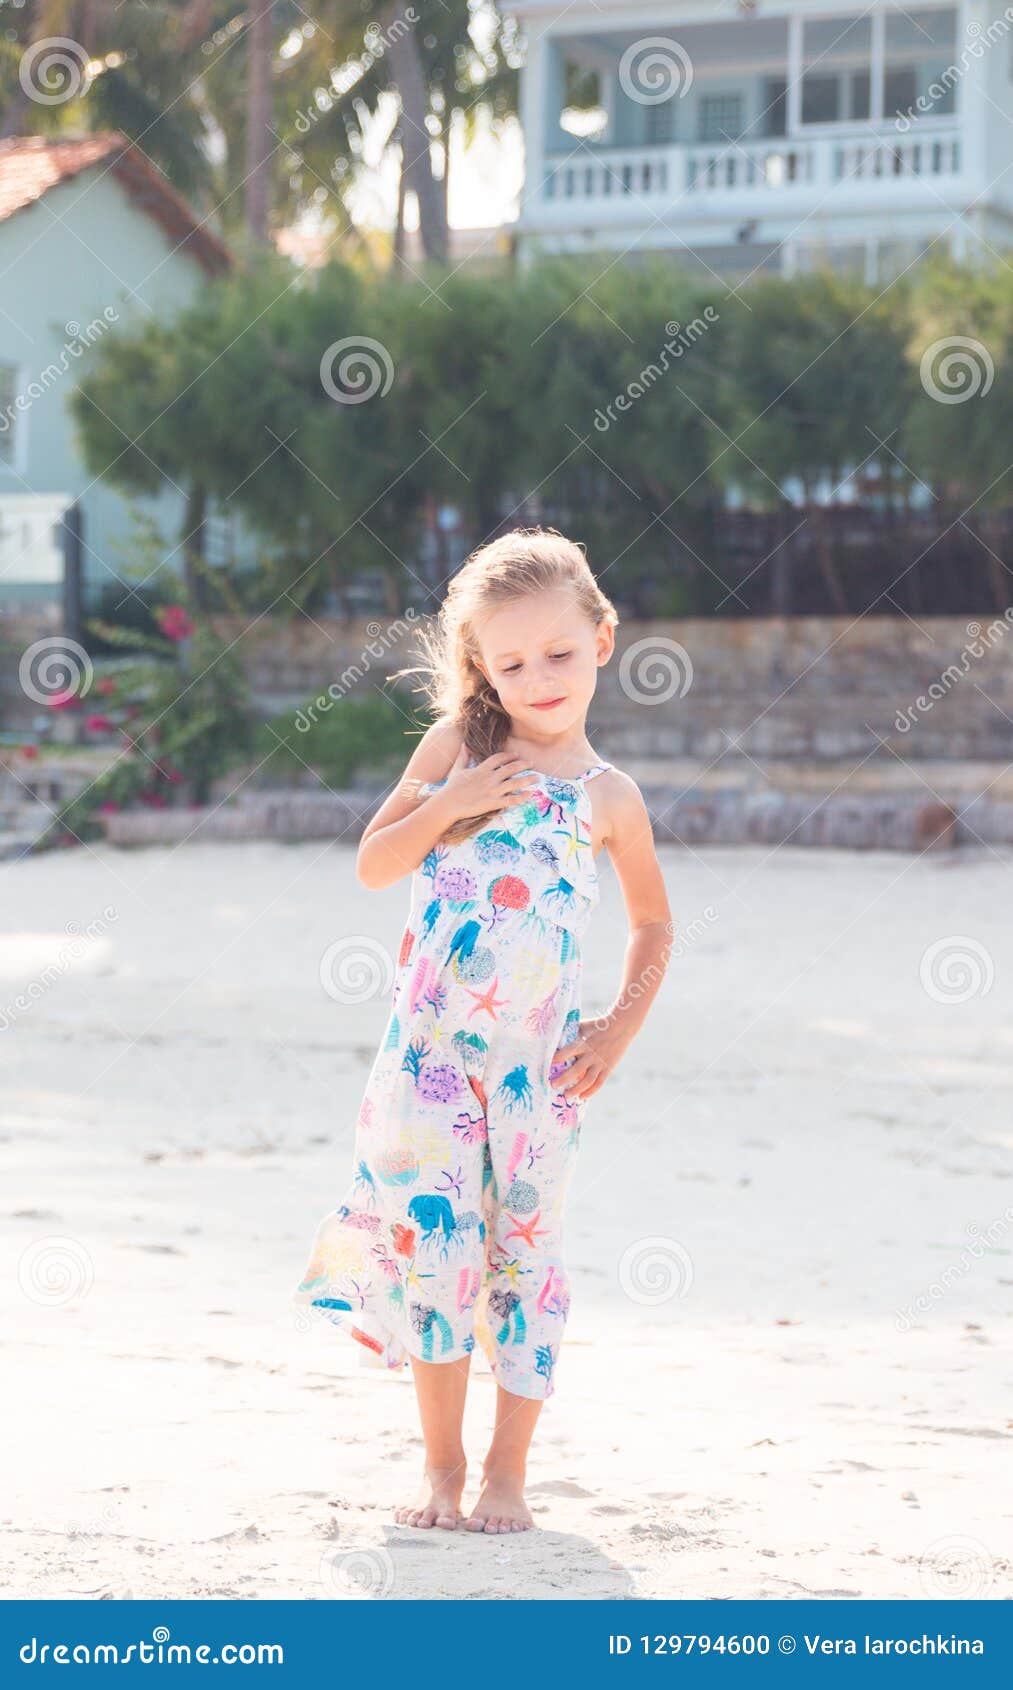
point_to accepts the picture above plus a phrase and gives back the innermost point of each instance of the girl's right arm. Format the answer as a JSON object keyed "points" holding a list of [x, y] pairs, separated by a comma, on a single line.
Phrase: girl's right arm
{"points": [[410, 822]]}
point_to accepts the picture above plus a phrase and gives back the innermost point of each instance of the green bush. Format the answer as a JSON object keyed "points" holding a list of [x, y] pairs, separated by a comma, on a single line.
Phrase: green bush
{"points": [[373, 734]]}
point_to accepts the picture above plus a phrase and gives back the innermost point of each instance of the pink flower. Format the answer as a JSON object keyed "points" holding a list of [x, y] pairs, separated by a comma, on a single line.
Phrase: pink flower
{"points": [[174, 622], [62, 701], [29, 750], [98, 724], [105, 686], [109, 808]]}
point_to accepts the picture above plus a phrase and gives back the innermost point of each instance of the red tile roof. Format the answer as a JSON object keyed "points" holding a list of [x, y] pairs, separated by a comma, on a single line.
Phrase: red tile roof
{"points": [[31, 165]]}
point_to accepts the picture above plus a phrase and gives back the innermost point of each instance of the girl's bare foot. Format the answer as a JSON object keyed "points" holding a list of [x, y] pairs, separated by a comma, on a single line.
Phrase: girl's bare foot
{"points": [[439, 1500], [501, 1506]]}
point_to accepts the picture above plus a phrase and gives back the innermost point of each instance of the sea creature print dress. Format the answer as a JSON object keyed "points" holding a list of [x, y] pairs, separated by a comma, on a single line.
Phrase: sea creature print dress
{"points": [[451, 1227]]}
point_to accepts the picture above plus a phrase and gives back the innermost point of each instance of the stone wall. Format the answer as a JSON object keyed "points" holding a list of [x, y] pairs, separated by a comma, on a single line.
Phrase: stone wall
{"points": [[876, 732], [820, 688]]}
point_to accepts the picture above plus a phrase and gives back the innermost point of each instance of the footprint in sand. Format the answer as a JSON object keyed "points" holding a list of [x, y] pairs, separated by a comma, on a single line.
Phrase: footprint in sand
{"points": [[558, 1487]]}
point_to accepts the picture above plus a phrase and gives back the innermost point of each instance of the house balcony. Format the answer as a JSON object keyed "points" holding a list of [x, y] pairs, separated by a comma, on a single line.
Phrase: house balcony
{"points": [[753, 177], [765, 137]]}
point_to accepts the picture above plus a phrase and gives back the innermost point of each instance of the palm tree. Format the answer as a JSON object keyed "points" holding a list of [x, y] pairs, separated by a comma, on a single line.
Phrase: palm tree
{"points": [[260, 141]]}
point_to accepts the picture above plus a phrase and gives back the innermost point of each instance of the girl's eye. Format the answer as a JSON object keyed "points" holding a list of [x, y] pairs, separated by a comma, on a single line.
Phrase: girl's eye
{"points": [[560, 654], [512, 670]]}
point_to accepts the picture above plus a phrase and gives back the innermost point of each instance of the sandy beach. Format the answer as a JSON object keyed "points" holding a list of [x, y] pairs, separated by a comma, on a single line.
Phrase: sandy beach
{"points": [[788, 1369]]}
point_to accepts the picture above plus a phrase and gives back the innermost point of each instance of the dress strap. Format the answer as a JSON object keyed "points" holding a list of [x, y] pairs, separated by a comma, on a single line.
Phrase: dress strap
{"points": [[596, 769]]}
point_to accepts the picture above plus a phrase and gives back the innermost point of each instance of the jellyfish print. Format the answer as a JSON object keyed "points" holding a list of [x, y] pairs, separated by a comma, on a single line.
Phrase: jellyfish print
{"points": [[560, 892], [434, 1216], [516, 1089]]}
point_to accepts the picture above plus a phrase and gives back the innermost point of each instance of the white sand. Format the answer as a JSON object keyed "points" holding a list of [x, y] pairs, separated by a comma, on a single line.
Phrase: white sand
{"points": [[808, 1128]]}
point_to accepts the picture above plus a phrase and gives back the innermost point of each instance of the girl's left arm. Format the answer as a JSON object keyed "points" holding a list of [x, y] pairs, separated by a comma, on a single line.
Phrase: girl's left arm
{"points": [[602, 1041]]}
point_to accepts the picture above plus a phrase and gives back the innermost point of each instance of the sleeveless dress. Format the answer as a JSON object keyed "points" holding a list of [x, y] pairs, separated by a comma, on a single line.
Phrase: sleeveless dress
{"points": [[451, 1227]]}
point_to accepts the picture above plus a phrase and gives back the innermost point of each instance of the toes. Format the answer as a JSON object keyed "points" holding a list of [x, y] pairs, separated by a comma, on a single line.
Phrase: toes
{"points": [[493, 1523], [475, 1523], [447, 1522]]}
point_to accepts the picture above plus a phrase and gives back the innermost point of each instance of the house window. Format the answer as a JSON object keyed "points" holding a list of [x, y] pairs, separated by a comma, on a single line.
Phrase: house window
{"points": [[861, 89], [775, 106], [8, 424], [584, 114], [660, 125], [900, 90], [821, 99], [919, 51], [836, 62], [720, 117]]}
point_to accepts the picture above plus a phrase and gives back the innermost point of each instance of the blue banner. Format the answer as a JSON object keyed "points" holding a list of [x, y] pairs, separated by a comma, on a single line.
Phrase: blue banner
{"points": [[523, 1645]]}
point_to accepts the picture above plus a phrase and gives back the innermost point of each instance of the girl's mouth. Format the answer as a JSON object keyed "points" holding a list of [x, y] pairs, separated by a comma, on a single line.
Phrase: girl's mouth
{"points": [[548, 704]]}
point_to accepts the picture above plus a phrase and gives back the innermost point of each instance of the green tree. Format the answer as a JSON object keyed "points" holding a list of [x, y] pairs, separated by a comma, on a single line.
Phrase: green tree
{"points": [[957, 431], [817, 380]]}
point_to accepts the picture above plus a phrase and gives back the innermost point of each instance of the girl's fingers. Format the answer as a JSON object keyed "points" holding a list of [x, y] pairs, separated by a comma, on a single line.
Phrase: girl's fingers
{"points": [[587, 1078], [576, 1077]]}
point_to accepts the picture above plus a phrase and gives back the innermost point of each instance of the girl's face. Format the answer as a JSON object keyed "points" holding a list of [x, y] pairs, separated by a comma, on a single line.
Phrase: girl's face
{"points": [[542, 654]]}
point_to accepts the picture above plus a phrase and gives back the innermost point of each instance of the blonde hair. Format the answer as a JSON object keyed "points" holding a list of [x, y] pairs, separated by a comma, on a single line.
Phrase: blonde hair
{"points": [[526, 561]]}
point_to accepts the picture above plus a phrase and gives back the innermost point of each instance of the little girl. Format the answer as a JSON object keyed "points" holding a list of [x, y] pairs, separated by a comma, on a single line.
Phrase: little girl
{"points": [[466, 1138]]}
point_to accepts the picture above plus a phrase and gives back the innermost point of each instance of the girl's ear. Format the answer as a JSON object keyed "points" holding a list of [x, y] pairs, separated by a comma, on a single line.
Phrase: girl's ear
{"points": [[606, 640]]}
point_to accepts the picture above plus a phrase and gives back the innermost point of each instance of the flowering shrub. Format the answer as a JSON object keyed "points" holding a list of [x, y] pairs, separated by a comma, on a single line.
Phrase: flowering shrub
{"points": [[178, 706]]}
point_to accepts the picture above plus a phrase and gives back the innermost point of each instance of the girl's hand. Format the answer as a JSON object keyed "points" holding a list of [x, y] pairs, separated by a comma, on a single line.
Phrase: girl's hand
{"points": [[590, 1058], [500, 780]]}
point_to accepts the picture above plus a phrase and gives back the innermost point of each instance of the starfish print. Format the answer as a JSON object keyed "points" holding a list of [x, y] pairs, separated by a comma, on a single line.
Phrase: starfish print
{"points": [[511, 1269], [528, 1230], [574, 843], [413, 1277], [486, 1000]]}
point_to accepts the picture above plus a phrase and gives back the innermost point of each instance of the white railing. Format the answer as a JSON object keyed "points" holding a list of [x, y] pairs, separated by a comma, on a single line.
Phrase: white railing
{"points": [[604, 174], [607, 173], [898, 155], [769, 164]]}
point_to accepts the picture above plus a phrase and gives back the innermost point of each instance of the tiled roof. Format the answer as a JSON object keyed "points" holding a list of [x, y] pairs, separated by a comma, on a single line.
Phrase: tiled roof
{"points": [[31, 165]]}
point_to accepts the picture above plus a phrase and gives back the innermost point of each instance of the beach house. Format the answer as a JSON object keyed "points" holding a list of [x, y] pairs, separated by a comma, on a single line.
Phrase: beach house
{"points": [[92, 237], [768, 134]]}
